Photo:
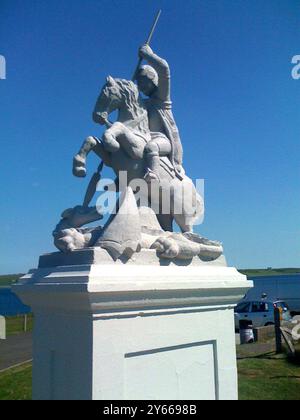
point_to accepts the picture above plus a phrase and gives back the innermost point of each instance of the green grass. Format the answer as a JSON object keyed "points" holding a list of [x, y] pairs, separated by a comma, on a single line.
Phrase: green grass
{"points": [[15, 324], [9, 279], [15, 384], [259, 379], [269, 272], [263, 379]]}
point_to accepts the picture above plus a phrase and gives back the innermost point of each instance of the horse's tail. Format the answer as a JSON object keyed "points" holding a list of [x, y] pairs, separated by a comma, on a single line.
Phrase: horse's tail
{"points": [[188, 204], [200, 207]]}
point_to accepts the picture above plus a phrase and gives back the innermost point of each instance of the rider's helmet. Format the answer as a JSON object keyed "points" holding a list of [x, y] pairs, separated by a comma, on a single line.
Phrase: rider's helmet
{"points": [[147, 80], [149, 72]]}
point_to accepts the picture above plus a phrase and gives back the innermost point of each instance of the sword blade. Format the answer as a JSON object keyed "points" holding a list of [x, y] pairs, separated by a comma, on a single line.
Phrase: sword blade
{"points": [[147, 42]]}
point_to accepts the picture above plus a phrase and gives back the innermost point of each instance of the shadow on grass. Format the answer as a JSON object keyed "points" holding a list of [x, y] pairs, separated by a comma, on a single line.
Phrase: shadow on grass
{"points": [[294, 359], [268, 377], [264, 356]]}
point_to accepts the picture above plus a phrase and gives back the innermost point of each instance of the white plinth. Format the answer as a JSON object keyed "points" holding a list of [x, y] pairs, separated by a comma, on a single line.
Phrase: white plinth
{"points": [[138, 330]]}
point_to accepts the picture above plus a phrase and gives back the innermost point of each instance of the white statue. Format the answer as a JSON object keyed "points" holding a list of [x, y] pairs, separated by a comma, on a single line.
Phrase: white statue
{"points": [[145, 143]]}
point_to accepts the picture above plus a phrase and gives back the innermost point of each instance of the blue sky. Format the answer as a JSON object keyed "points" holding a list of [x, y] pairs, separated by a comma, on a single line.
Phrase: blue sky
{"points": [[235, 102]]}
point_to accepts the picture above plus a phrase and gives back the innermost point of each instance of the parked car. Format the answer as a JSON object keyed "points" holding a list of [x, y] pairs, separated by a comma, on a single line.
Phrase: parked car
{"points": [[260, 313], [284, 288]]}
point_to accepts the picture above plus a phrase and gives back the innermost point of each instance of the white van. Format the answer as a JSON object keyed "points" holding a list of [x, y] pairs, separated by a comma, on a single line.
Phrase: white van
{"points": [[260, 313], [284, 288]]}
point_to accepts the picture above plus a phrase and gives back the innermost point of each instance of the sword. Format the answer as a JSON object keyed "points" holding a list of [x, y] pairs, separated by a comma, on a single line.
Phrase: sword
{"points": [[147, 42], [91, 189]]}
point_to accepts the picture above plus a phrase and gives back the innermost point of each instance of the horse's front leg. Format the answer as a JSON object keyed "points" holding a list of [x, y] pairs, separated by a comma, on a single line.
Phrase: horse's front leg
{"points": [[119, 136], [79, 161], [100, 151], [110, 138]]}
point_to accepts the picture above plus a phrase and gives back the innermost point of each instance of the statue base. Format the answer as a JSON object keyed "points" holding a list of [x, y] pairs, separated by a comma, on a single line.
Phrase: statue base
{"points": [[147, 329]]}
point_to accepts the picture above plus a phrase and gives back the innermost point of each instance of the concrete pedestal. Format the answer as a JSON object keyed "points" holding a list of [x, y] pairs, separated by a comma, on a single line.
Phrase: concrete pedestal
{"points": [[143, 329]]}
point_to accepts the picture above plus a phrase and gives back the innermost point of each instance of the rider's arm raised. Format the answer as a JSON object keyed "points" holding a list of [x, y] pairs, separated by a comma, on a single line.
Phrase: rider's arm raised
{"points": [[163, 71]]}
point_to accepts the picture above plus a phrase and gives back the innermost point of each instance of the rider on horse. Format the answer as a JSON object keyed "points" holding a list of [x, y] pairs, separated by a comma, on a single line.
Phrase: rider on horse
{"points": [[154, 81]]}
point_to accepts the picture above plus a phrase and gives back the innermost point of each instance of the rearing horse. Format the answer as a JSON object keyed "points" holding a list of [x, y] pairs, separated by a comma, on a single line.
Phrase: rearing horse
{"points": [[122, 148]]}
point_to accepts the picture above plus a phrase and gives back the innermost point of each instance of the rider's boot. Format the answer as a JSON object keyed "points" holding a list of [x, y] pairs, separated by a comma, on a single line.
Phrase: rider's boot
{"points": [[153, 167], [150, 176]]}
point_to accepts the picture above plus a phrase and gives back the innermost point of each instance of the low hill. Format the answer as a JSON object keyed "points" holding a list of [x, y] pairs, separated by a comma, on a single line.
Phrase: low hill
{"points": [[269, 271], [9, 279]]}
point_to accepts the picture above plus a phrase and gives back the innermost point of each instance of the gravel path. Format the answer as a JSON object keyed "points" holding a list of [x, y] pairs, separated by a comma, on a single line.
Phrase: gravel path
{"points": [[16, 349]]}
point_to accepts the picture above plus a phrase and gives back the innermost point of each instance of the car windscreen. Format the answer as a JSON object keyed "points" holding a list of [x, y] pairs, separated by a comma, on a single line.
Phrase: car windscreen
{"points": [[260, 307], [242, 308]]}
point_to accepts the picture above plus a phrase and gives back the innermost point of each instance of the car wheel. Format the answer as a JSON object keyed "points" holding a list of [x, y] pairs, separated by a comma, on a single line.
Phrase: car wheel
{"points": [[268, 324]]}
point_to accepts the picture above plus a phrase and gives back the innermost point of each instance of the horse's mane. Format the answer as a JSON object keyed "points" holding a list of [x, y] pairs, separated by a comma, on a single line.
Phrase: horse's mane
{"points": [[130, 94], [129, 91]]}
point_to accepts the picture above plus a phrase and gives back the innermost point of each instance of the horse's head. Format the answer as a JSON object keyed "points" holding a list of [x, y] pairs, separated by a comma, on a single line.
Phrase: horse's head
{"points": [[115, 94]]}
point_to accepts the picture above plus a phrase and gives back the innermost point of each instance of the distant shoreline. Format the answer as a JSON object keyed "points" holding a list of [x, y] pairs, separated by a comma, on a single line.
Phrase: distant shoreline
{"points": [[264, 272], [9, 279]]}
